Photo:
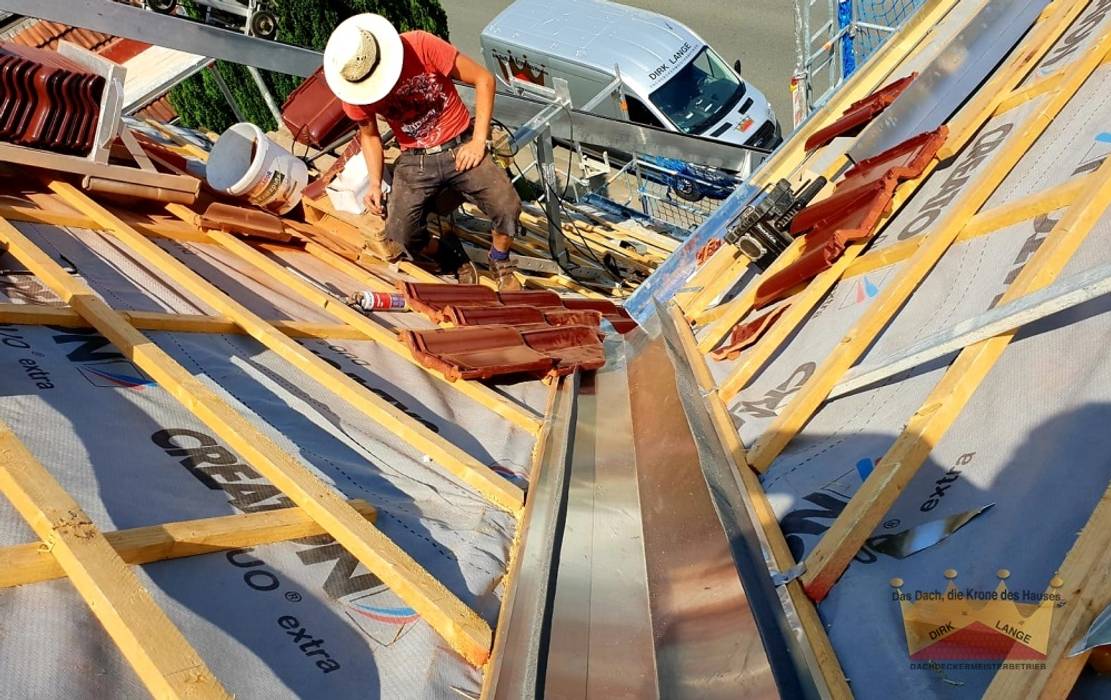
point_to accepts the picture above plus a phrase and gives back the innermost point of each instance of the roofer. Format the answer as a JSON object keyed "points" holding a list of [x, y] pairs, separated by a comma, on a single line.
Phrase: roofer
{"points": [[407, 80]]}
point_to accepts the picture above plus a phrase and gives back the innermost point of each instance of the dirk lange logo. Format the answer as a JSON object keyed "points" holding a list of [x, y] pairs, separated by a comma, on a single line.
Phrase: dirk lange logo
{"points": [[970, 624]]}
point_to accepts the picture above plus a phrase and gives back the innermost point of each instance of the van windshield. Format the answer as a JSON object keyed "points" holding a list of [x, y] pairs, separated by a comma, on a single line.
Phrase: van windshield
{"points": [[699, 94]]}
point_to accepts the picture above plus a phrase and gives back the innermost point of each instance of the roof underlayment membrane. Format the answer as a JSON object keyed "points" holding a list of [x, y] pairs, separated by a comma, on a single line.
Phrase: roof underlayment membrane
{"points": [[304, 618], [132, 456], [1032, 441]]}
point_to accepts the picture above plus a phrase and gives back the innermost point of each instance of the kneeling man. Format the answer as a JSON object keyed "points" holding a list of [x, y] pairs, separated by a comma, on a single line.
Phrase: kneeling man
{"points": [[408, 80]]}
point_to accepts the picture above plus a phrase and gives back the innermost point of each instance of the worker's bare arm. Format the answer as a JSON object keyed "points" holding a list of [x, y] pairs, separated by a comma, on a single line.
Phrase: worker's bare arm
{"points": [[371, 142], [468, 71]]}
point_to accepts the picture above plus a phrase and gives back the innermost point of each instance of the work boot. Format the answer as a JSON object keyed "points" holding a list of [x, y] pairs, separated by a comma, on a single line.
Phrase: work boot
{"points": [[383, 247], [467, 273], [504, 275]]}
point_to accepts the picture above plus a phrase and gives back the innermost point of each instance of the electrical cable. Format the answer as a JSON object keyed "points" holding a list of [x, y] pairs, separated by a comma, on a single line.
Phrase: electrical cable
{"points": [[585, 250]]}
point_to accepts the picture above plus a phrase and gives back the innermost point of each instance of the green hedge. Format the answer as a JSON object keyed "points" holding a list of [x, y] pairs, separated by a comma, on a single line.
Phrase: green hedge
{"points": [[199, 102]]}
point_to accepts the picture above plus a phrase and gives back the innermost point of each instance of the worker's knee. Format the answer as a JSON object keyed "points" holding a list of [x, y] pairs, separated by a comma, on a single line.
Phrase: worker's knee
{"points": [[505, 212], [501, 203], [404, 225]]}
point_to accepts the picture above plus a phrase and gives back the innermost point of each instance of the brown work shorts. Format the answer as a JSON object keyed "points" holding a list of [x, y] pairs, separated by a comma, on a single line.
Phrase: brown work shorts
{"points": [[419, 179]]}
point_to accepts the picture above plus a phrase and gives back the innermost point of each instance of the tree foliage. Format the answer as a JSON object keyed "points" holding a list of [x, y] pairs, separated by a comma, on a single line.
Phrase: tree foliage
{"points": [[200, 103]]}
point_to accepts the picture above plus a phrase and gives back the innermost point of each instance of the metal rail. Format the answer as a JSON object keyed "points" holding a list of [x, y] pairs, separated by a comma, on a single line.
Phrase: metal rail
{"points": [[131, 22], [1062, 295]]}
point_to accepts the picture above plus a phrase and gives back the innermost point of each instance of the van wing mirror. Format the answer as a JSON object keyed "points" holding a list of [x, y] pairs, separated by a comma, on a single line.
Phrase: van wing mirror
{"points": [[737, 66]]}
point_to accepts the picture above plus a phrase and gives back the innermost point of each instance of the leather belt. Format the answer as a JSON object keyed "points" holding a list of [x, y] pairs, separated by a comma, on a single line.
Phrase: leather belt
{"points": [[446, 145]]}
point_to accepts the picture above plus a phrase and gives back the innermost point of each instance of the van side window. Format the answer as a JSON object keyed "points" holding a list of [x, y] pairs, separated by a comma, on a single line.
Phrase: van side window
{"points": [[639, 114]]}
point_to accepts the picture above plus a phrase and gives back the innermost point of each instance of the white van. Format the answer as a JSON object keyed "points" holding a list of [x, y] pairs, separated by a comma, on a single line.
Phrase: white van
{"points": [[670, 77]]}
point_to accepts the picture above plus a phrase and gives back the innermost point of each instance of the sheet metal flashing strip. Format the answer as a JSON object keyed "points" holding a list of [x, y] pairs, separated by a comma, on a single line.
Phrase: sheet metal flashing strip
{"points": [[522, 631], [942, 87], [794, 676], [901, 545], [1064, 294], [602, 643]]}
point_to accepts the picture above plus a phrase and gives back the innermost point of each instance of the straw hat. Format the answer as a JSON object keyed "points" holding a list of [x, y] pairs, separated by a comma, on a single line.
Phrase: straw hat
{"points": [[363, 58]]}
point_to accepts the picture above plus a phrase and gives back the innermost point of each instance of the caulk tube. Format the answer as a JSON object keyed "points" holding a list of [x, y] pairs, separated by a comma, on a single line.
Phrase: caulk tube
{"points": [[380, 301]]}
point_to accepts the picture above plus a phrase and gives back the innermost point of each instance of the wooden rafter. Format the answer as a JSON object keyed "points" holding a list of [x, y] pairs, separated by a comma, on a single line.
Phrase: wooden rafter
{"points": [[940, 409], [1086, 593], [160, 655], [29, 563], [41, 315], [464, 630], [30, 213]]}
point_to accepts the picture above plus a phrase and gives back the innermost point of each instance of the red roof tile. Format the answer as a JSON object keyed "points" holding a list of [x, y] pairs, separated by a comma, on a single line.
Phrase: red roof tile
{"points": [[506, 333], [313, 114], [852, 213], [485, 315], [160, 111], [860, 113], [616, 315], [476, 352], [46, 35], [245, 221], [707, 251], [856, 208], [431, 299], [745, 335], [821, 252], [122, 50], [541, 298], [48, 100], [573, 317], [571, 347], [905, 161]]}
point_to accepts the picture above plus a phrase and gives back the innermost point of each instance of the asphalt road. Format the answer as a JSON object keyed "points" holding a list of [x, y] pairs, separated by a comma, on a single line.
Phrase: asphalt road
{"points": [[759, 32]]}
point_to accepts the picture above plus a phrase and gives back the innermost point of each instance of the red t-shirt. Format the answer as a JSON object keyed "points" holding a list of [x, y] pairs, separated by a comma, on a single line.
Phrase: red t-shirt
{"points": [[424, 108]]}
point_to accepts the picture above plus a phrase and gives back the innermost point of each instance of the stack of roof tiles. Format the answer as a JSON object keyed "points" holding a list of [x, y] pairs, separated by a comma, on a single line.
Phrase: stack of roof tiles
{"points": [[533, 332], [46, 100], [852, 213]]}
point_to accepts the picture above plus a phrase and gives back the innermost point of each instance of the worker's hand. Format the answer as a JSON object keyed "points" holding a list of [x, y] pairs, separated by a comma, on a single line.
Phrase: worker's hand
{"points": [[374, 200], [469, 155]]}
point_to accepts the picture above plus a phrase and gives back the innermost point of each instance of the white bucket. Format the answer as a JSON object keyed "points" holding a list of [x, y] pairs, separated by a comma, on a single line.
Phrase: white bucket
{"points": [[246, 163]]}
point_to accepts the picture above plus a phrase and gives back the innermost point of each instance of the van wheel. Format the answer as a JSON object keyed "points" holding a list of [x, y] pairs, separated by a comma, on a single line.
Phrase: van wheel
{"points": [[687, 190]]}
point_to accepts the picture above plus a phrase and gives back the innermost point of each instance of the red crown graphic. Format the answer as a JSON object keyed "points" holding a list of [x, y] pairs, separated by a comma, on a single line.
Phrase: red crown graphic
{"points": [[957, 624]]}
